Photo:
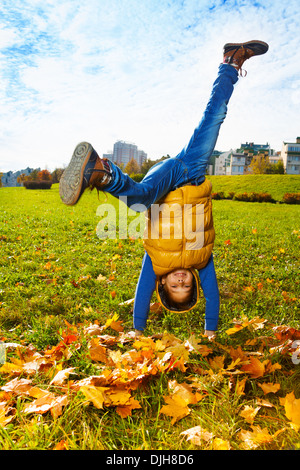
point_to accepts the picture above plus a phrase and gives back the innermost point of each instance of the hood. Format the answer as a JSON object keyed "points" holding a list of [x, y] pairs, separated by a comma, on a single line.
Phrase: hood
{"points": [[162, 298]]}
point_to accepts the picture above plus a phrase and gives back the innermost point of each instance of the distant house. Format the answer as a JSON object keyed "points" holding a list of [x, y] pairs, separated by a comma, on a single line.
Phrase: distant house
{"points": [[9, 179], [290, 154]]}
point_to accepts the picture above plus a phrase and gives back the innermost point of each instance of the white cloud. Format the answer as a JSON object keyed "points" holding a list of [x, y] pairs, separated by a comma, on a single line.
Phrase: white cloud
{"points": [[139, 71]]}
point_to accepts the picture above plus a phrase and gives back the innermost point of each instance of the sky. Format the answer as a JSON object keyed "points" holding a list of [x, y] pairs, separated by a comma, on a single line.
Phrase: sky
{"points": [[140, 71]]}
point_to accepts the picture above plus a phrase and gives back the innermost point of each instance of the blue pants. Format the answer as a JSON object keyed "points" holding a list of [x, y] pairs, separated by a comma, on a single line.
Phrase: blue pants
{"points": [[189, 166]]}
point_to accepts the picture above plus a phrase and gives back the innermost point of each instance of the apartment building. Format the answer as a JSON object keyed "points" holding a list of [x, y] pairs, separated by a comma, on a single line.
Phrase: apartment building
{"points": [[290, 154], [123, 152]]}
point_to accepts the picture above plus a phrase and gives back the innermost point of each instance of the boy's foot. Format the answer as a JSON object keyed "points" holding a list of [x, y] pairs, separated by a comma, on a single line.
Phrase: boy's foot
{"points": [[235, 54], [85, 170]]}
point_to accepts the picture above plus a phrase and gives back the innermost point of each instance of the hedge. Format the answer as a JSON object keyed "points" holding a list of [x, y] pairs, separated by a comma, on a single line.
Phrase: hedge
{"points": [[37, 184]]}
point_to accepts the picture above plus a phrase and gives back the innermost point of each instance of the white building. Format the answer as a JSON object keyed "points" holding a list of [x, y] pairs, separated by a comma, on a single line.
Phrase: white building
{"points": [[124, 151], [290, 154]]}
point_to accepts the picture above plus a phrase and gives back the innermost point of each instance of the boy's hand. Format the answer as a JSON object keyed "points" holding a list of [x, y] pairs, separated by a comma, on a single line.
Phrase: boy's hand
{"points": [[210, 334]]}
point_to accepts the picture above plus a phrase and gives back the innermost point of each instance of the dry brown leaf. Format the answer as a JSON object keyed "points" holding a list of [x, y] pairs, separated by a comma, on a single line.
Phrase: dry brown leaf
{"points": [[255, 368], [97, 352]]}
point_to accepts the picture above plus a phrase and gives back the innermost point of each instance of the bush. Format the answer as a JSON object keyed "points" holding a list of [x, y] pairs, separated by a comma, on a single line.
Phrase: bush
{"points": [[137, 177], [254, 197], [218, 196], [291, 198], [37, 184]]}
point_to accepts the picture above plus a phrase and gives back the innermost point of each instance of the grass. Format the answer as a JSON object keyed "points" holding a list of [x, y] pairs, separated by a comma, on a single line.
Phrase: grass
{"points": [[276, 185], [51, 257]]}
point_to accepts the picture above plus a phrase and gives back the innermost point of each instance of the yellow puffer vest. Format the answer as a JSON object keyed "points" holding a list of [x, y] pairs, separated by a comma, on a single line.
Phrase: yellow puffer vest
{"points": [[181, 234]]}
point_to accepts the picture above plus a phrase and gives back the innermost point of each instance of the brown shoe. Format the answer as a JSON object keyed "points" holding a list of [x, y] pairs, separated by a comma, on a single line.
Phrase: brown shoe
{"points": [[85, 170], [235, 54]]}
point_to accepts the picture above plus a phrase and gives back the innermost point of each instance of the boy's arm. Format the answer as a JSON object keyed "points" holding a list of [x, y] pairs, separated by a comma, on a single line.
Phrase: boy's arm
{"points": [[209, 284], [144, 290]]}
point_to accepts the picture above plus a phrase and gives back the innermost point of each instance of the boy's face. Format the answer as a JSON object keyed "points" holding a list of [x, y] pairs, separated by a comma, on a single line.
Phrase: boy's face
{"points": [[179, 284]]}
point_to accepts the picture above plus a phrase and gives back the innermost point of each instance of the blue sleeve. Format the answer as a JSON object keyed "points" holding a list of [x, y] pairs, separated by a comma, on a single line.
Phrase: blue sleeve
{"points": [[209, 284], [144, 291]]}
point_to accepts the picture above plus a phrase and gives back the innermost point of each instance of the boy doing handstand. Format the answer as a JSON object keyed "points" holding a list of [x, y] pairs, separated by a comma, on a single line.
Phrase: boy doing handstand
{"points": [[172, 265]]}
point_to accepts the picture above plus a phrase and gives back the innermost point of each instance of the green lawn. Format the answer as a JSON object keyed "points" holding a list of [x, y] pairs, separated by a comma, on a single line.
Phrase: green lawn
{"points": [[55, 269], [276, 185]]}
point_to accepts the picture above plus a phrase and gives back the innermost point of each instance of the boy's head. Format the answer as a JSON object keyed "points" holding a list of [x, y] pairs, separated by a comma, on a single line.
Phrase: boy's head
{"points": [[178, 290]]}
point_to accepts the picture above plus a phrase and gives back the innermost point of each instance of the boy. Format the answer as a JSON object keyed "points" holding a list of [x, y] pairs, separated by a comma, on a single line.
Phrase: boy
{"points": [[182, 177]]}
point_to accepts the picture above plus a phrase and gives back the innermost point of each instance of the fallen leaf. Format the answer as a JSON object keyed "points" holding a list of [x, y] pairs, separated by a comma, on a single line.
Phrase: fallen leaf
{"points": [[240, 387], [249, 413], [292, 408], [269, 387], [114, 324], [255, 368], [61, 376], [125, 410], [97, 352], [197, 434], [48, 402], [94, 394], [176, 408], [256, 437], [220, 444]]}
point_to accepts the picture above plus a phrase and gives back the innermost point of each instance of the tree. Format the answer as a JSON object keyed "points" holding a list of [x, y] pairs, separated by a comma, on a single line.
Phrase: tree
{"points": [[147, 164], [1, 174], [276, 168], [44, 175], [56, 175], [132, 167], [259, 164]]}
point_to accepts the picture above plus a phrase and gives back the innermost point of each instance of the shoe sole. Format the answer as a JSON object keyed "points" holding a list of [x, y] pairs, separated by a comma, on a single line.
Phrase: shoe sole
{"points": [[258, 47], [71, 182]]}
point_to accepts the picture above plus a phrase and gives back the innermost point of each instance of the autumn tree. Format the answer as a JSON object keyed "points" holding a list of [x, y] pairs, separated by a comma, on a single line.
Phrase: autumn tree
{"points": [[259, 164], [56, 175], [44, 175], [132, 167]]}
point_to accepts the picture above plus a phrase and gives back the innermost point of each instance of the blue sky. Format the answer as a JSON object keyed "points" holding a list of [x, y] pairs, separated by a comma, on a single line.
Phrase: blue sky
{"points": [[140, 71]]}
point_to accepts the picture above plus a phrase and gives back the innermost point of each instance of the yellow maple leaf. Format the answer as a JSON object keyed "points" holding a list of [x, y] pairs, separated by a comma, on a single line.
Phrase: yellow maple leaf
{"points": [[220, 444], [269, 387], [125, 410], [240, 387], [256, 437], [94, 394], [185, 391], [217, 362], [292, 408], [176, 407], [5, 418], [114, 323], [9, 368], [249, 413]]}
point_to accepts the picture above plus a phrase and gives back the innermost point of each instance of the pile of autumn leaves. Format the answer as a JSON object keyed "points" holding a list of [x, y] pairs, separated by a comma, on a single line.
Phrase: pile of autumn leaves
{"points": [[120, 373]]}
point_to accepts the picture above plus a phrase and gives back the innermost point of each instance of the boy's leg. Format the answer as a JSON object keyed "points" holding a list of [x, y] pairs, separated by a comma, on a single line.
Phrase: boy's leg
{"points": [[197, 153], [86, 169]]}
